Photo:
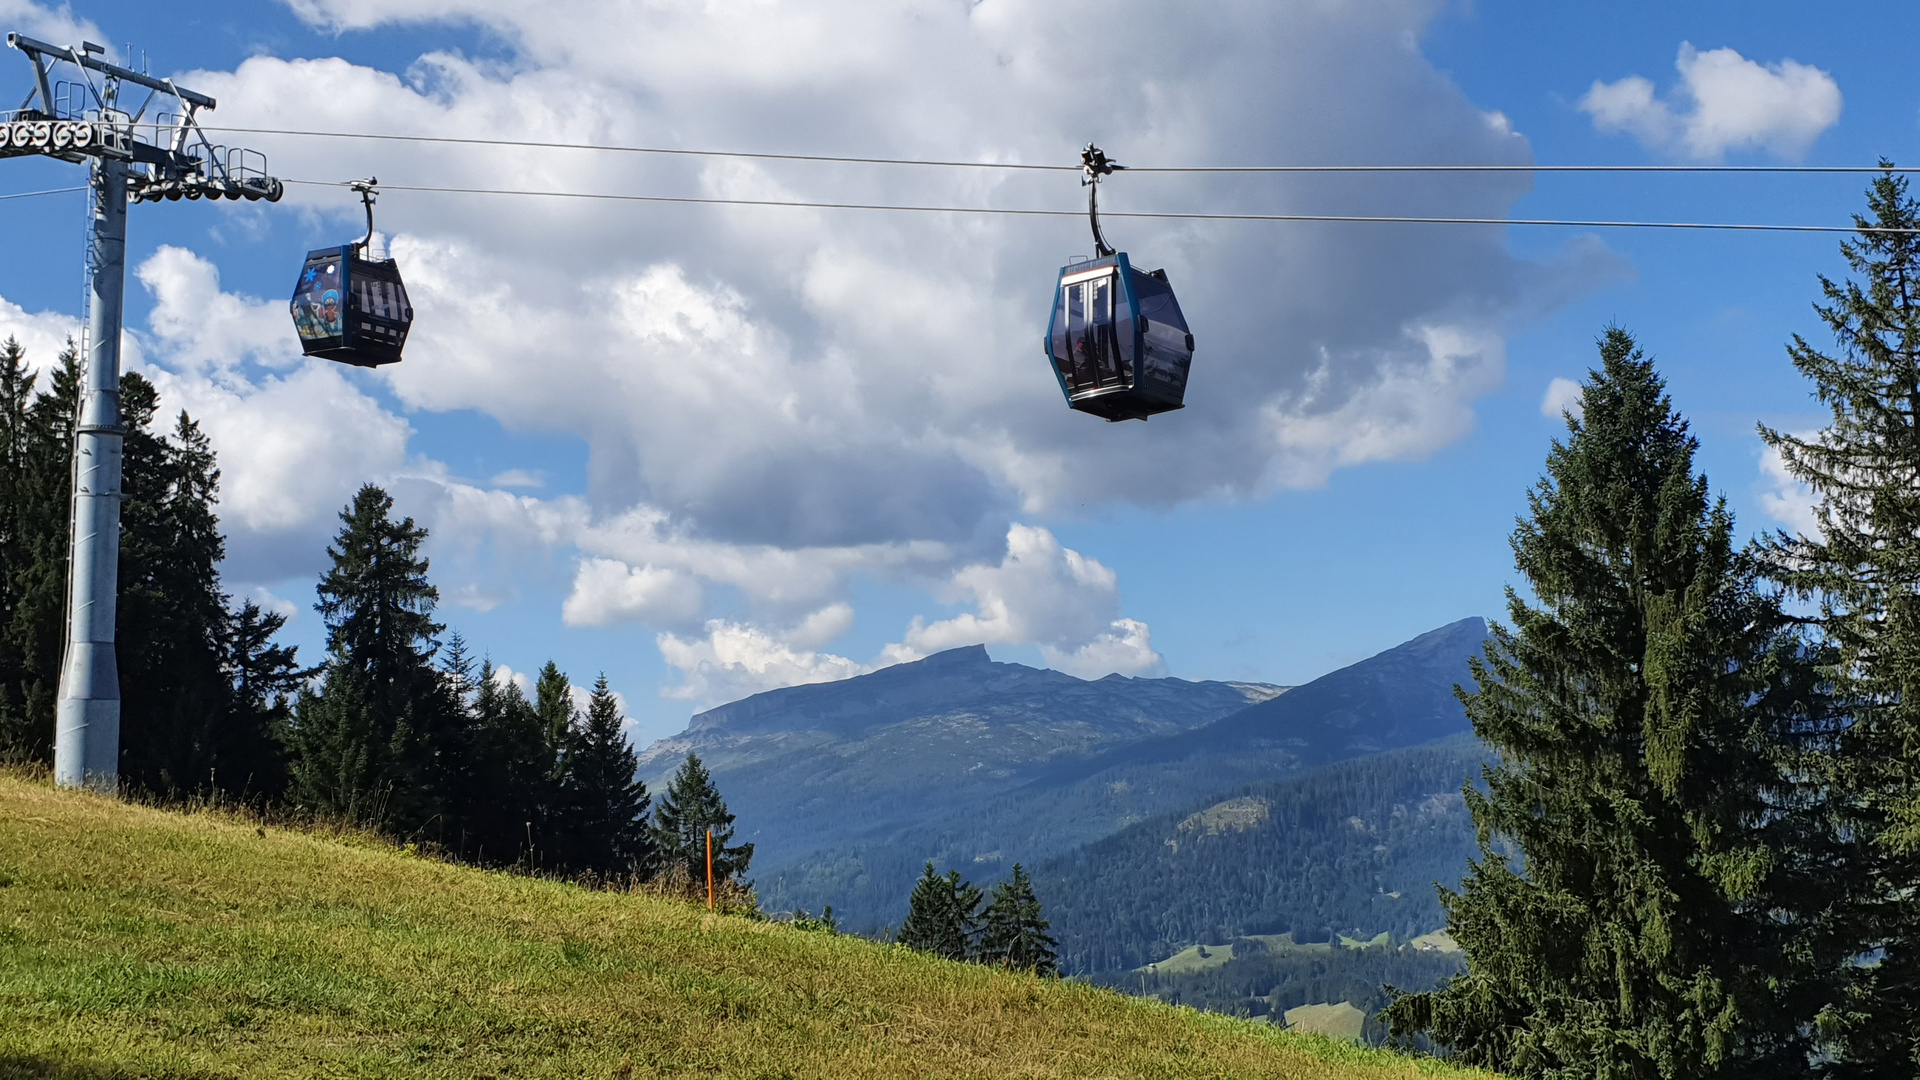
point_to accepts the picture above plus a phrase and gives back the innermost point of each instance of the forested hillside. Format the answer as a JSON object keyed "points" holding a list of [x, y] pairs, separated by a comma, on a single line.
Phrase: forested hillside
{"points": [[1268, 975], [1404, 693], [934, 740], [1353, 848]]}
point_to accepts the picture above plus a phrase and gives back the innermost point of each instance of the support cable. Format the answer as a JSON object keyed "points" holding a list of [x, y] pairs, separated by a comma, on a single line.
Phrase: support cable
{"points": [[48, 191], [845, 160], [1142, 215]]}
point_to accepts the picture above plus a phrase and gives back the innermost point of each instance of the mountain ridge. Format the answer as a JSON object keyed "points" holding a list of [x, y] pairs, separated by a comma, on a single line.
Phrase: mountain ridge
{"points": [[849, 787]]}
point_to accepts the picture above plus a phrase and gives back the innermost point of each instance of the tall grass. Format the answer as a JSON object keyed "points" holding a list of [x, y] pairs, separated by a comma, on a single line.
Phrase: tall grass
{"points": [[142, 942]]}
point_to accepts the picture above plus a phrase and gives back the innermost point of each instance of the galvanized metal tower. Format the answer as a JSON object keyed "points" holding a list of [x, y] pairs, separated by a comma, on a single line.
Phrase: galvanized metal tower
{"points": [[82, 122]]}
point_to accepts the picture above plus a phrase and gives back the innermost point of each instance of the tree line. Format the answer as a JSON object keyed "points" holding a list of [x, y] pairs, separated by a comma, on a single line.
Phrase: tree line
{"points": [[1266, 978], [1707, 795], [945, 919], [1347, 848], [202, 681], [395, 730]]}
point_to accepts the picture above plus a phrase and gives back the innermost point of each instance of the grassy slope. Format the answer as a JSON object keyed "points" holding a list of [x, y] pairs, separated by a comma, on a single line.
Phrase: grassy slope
{"points": [[136, 942]]}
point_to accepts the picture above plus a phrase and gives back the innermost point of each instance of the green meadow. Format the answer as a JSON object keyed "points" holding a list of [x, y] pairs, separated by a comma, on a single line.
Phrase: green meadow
{"points": [[139, 942]]}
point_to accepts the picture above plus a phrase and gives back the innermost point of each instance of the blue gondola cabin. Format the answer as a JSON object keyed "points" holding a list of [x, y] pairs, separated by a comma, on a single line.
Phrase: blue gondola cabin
{"points": [[1119, 344]]}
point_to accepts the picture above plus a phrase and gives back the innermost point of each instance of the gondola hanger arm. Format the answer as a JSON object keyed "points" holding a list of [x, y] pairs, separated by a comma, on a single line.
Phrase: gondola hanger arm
{"points": [[1094, 166], [369, 190]]}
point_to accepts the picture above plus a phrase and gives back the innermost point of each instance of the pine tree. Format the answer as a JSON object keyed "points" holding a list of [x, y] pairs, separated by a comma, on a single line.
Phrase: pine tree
{"points": [[1014, 934], [1646, 903], [172, 614], [690, 807], [17, 535], [1863, 571], [262, 679], [365, 745], [606, 828], [511, 804], [942, 915], [553, 699], [33, 638]]}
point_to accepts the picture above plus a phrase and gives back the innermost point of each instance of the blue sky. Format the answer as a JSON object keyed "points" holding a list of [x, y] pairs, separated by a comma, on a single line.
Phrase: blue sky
{"points": [[714, 451]]}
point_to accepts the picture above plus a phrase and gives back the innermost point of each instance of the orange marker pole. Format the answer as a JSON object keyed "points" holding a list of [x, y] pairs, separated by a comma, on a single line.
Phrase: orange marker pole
{"points": [[709, 869]]}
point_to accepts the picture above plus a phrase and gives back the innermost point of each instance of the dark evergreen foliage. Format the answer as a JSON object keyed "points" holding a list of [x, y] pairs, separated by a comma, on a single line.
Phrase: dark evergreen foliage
{"points": [[553, 698], [1267, 977], [1013, 933], [36, 439], [202, 686], [1349, 848], [690, 807], [172, 623], [606, 805], [1656, 913], [942, 916], [495, 768], [365, 744], [1863, 571]]}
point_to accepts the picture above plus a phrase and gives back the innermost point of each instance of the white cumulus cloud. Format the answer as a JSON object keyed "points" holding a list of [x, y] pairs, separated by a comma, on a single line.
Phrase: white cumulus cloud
{"points": [[1785, 497], [733, 660], [1724, 102], [606, 591], [1046, 594], [1563, 396]]}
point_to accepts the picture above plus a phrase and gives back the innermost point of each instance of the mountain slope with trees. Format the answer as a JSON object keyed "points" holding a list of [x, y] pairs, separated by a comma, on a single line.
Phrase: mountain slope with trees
{"points": [[1354, 848], [821, 764], [1058, 805]]}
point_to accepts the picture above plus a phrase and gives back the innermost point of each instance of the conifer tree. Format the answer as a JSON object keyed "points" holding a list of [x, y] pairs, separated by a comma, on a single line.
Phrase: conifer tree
{"points": [[1013, 933], [1645, 903], [18, 531], [513, 794], [1862, 569], [942, 915], [606, 829], [365, 744], [172, 615], [690, 807], [553, 699], [262, 679], [32, 638]]}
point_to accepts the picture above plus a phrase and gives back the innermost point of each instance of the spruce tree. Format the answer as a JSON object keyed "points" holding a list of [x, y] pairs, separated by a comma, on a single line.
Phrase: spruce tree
{"points": [[365, 744], [605, 830], [1646, 901], [33, 638], [1862, 570], [1013, 933], [553, 699], [512, 794], [262, 679], [18, 531], [942, 915], [690, 807], [172, 614]]}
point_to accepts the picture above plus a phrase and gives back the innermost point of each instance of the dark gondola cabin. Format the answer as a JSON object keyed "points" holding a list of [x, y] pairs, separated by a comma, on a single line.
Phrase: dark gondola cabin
{"points": [[1119, 345], [351, 308]]}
